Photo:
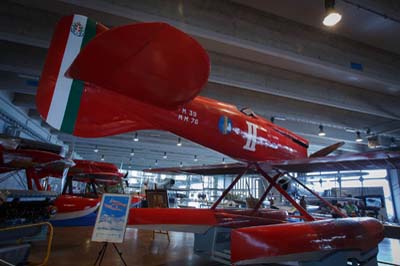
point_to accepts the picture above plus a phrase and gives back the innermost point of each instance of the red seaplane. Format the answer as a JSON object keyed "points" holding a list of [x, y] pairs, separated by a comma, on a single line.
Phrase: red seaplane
{"points": [[98, 82]]}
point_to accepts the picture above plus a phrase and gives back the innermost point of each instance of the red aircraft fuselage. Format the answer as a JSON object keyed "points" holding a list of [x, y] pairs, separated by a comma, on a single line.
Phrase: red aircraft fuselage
{"points": [[216, 125], [148, 76]]}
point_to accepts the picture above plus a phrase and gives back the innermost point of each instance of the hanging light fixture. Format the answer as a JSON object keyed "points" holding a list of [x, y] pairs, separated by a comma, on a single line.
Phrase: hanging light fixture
{"points": [[195, 158], [136, 137], [179, 143], [165, 155], [392, 142], [132, 152], [181, 164], [223, 160], [156, 163], [321, 132], [332, 17], [96, 150], [102, 157], [358, 137]]}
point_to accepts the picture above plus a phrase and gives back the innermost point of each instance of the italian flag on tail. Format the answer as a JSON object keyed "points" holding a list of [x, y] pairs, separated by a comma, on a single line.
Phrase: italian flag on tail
{"points": [[58, 98]]}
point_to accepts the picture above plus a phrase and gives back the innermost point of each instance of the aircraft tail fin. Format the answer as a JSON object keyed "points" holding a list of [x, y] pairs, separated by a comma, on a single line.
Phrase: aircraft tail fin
{"points": [[58, 97], [90, 68], [327, 150]]}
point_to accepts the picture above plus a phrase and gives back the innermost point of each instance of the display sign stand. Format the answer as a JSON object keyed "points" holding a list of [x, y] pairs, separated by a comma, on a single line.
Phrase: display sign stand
{"points": [[103, 251], [111, 223]]}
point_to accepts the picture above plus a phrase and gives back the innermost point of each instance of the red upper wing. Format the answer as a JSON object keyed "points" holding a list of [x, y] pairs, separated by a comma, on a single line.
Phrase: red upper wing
{"points": [[358, 161]]}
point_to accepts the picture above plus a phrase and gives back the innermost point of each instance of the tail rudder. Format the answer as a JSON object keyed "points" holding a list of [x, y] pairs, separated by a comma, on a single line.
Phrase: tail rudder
{"points": [[57, 94]]}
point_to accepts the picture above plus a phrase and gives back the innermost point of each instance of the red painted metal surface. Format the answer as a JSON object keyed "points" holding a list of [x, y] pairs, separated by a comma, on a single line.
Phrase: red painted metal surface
{"points": [[218, 217], [296, 238], [151, 62], [93, 167], [100, 172], [71, 203]]}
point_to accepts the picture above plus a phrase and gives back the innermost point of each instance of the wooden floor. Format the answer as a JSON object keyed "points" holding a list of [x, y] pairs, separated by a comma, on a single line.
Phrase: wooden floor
{"points": [[72, 246]]}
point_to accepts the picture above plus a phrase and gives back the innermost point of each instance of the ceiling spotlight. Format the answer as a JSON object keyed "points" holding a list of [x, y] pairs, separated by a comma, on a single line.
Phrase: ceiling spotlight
{"points": [[358, 138], [321, 132], [102, 157], [179, 143], [136, 138], [96, 150], [132, 152], [332, 17], [156, 163], [195, 158], [165, 155], [181, 164]]}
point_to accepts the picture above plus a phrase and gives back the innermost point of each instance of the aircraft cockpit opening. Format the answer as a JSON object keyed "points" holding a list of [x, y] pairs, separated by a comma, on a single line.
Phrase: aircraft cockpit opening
{"points": [[249, 112]]}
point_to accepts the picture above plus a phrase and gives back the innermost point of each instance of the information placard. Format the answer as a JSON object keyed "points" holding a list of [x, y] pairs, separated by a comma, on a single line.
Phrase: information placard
{"points": [[112, 218]]}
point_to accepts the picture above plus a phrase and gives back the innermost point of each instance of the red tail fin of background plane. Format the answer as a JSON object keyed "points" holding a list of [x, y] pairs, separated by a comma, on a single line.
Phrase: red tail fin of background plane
{"points": [[90, 67]]}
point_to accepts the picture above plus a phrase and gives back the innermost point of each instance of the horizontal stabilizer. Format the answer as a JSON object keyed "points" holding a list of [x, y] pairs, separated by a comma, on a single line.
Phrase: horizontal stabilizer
{"points": [[151, 62], [359, 161]]}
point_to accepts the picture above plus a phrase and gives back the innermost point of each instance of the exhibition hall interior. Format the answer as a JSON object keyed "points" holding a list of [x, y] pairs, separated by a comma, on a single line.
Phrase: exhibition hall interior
{"points": [[200, 132]]}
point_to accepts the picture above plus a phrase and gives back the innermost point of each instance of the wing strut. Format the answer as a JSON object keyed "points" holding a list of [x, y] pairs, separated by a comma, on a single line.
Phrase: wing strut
{"points": [[334, 208], [272, 182], [270, 186], [226, 191]]}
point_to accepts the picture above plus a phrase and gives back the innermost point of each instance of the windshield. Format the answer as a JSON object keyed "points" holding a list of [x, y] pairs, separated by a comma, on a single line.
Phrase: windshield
{"points": [[247, 111]]}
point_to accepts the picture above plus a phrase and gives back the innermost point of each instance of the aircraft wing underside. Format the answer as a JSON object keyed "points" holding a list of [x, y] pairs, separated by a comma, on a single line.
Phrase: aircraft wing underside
{"points": [[359, 161]]}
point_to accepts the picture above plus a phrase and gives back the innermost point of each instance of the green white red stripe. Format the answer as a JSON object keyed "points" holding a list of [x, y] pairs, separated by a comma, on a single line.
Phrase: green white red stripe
{"points": [[67, 94]]}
